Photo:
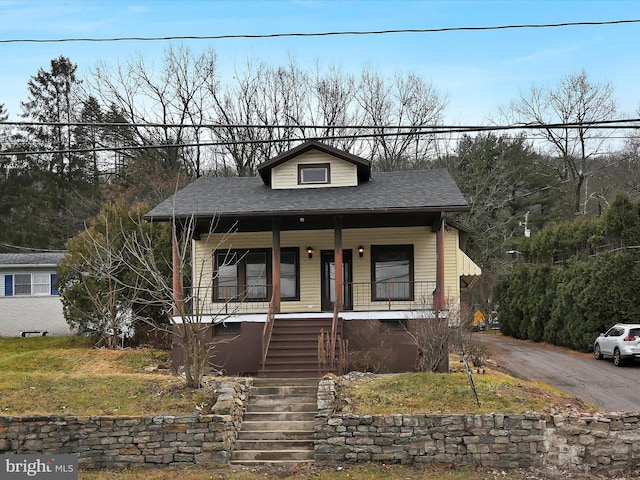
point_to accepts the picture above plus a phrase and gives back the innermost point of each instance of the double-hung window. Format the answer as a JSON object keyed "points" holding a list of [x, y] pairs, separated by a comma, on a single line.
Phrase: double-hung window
{"points": [[289, 274], [29, 284], [22, 284], [241, 275], [245, 275], [392, 269]]}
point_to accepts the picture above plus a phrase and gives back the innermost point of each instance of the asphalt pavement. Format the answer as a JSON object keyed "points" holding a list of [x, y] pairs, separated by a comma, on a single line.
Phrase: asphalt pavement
{"points": [[597, 382]]}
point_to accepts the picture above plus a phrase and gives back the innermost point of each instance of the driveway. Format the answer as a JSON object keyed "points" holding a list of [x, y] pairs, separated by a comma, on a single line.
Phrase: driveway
{"points": [[600, 383]]}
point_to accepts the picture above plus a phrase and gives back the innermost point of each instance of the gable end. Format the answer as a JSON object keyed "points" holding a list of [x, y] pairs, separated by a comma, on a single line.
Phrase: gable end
{"points": [[363, 167]]}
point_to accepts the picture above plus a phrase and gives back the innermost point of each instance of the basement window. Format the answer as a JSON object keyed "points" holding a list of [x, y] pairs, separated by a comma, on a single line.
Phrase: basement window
{"points": [[394, 325], [227, 328]]}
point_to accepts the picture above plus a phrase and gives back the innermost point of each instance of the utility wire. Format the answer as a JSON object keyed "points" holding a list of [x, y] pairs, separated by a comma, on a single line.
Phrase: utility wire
{"points": [[429, 131], [610, 124], [28, 249], [320, 34]]}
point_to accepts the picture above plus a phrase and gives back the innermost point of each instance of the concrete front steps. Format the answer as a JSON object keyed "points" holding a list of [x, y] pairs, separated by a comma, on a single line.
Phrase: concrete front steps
{"points": [[278, 422]]}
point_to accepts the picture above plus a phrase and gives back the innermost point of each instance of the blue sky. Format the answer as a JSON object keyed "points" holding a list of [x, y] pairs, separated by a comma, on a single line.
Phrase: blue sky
{"points": [[476, 71]]}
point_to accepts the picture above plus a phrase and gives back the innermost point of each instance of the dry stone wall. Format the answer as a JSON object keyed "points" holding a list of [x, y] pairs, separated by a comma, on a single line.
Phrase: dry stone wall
{"points": [[122, 442], [609, 444], [488, 440]]}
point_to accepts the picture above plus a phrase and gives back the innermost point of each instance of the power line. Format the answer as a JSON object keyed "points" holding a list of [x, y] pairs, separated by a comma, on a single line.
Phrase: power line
{"points": [[601, 124], [322, 34], [28, 249], [607, 124]]}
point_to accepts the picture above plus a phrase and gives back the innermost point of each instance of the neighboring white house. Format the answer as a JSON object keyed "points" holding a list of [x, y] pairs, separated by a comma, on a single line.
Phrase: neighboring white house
{"points": [[29, 300]]}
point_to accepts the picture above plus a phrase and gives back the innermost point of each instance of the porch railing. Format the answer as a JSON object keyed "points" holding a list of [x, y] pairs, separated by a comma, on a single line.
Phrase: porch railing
{"points": [[235, 299], [391, 295], [358, 296]]}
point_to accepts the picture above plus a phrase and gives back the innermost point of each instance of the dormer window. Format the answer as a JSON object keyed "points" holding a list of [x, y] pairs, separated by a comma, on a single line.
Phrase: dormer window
{"points": [[314, 173]]}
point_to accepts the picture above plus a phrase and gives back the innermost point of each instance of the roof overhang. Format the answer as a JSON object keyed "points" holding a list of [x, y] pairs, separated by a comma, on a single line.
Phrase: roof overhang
{"points": [[305, 220]]}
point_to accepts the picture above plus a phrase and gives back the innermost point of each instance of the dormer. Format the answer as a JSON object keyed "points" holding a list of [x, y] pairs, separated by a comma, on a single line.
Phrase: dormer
{"points": [[314, 165]]}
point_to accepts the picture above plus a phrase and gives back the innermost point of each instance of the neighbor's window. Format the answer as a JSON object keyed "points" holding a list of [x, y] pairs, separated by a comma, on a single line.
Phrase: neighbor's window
{"points": [[315, 173], [34, 284], [227, 329], [392, 269], [22, 284], [394, 325], [41, 284]]}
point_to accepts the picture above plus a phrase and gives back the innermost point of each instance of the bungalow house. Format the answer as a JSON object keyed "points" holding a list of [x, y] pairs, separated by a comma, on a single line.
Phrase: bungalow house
{"points": [[29, 301], [318, 243]]}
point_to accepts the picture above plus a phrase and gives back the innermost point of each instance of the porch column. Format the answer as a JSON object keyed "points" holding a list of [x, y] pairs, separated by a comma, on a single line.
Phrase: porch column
{"points": [[178, 296], [275, 266], [438, 293], [337, 256]]}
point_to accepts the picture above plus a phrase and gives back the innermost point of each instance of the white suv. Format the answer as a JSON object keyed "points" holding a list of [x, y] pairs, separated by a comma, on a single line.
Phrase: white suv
{"points": [[622, 342]]}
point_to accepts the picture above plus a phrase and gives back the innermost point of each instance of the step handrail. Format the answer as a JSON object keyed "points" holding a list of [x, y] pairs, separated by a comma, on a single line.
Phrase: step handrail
{"points": [[267, 331], [333, 338]]}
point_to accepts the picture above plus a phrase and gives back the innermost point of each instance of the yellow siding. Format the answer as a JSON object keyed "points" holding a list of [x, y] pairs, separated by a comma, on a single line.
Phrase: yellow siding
{"points": [[343, 174], [451, 269], [203, 261], [423, 239]]}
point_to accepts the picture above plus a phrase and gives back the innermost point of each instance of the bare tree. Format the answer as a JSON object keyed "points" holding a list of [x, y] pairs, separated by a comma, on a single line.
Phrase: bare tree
{"points": [[260, 113], [333, 103], [434, 334], [166, 106], [575, 102], [188, 309], [398, 111]]}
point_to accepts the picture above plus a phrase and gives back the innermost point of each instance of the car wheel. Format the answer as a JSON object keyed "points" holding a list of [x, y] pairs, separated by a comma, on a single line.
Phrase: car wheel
{"points": [[597, 353], [618, 361]]}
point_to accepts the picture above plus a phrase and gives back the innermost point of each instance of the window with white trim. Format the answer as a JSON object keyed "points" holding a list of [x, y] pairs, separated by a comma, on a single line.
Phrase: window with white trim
{"points": [[40, 284], [22, 284], [314, 173], [29, 284]]}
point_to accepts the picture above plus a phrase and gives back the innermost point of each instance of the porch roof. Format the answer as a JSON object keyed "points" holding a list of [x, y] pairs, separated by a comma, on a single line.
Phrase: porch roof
{"points": [[387, 192]]}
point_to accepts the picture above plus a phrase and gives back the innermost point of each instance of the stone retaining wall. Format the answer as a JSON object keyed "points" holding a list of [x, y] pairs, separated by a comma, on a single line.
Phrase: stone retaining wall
{"points": [[122, 442], [597, 444], [489, 440], [600, 444]]}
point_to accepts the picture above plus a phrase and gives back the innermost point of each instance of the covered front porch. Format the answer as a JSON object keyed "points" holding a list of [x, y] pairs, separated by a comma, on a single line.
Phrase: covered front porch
{"points": [[381, 268]]}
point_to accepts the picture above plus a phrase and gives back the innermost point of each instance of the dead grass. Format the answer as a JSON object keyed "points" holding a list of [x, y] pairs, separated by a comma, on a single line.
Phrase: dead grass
{"points": [[451, 393], [294, 472], [344, 472], [54, 375], [64, 375]]}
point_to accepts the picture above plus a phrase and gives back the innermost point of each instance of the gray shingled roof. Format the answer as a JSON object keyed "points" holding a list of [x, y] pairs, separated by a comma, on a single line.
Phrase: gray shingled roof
{"points": [[26, 259], [406, 191]]}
